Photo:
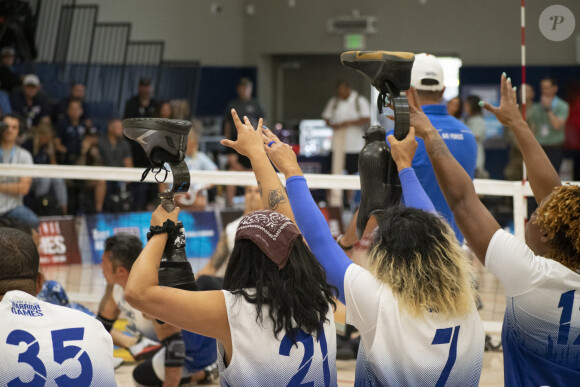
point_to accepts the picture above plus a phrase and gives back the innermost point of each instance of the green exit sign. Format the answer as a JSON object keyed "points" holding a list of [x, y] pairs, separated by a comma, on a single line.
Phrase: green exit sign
{"points": [[354, 42]]}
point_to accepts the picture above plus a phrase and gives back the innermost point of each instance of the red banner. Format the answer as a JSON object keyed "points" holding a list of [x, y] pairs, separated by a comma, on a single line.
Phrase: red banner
{"points": [[58, 241]]}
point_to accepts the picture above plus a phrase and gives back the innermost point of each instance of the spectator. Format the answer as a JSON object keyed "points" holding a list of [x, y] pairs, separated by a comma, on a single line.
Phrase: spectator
{"points": [[70, 132], [77, 91], [5, 106], [164, 110], [548, 120], [9, 80], [476, 123], [90, 155], [427, 76], [29, 102], [13, 189], [246, 106], [455, 108], [348, 114], [115, 151], [141, 105], [45, 190], [43, 331], [196, 198]]}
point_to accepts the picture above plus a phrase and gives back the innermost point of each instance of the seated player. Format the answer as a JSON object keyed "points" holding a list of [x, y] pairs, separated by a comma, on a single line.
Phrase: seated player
{"points": [[184, 355], [42, 343], [275, 294], [414, 303], [541, 331]]}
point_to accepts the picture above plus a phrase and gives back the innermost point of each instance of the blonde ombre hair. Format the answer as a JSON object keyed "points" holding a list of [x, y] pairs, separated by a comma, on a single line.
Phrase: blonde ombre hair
{"points": [[417, 255]]}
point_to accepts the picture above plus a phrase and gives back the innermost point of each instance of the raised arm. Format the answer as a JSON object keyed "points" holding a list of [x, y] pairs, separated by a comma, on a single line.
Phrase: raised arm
{"points": [[541, 174], [251, 144], [474, 220], [309, 219], [202, 312], [403, 152]]}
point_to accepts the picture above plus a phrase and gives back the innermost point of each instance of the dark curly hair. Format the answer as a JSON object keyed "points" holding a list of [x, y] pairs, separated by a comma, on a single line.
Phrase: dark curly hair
{"points": [[559, 218], [299, 292]]}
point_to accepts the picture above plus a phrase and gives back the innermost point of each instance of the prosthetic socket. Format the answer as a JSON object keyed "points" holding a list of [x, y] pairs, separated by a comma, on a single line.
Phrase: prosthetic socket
{"points": [[390, 73], [165, 141]]}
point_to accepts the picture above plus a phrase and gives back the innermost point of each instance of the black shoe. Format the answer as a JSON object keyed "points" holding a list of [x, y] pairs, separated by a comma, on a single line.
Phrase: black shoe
{"points": [[382, 68], [163, 140], [379, 180]]}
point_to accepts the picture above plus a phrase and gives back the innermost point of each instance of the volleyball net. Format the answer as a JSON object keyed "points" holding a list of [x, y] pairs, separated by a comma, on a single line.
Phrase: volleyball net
{"points": [[79, 240]]}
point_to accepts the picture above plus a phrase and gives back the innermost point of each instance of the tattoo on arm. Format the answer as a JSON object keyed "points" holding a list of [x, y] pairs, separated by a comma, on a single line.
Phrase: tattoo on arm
{"points": [[275, 198], [438, 148]]}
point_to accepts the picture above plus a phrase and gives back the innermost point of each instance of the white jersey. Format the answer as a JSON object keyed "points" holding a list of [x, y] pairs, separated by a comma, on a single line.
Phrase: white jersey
{"points": [[541, 331], [42, 344], [136, 321], [260, 359], [397, 349]]}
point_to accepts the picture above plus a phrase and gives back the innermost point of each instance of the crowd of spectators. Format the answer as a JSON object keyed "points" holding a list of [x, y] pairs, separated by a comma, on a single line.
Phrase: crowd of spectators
{"points": [[62, 132]]}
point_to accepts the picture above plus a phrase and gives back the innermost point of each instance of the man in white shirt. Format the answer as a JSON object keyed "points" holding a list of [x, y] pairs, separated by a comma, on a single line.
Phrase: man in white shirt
{"points": [[13, 189], [42, 343], [348, 114]]}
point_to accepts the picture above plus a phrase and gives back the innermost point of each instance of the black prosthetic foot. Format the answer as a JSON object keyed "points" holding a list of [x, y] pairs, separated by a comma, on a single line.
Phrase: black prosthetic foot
{"points": [[379, 179], [390, 73], [163, 140]]}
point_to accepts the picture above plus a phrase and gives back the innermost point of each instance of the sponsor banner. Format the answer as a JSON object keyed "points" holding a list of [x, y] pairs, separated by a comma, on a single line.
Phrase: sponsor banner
{"points": [[201, 231], [58, 241]]}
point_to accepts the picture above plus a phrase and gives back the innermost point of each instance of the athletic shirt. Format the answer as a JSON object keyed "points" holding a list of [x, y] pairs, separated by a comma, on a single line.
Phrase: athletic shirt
{"points": [[541, 328], [260, 359], [42, 344], [136, 321], [397, 349]]}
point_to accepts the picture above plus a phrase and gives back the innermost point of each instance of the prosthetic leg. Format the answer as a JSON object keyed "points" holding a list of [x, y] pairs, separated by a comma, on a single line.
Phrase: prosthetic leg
{"points": [[165, 141], [390, 73]]}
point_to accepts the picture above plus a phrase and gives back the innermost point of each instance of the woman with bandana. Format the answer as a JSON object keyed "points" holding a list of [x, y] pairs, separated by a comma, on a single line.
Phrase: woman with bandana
{"points": [[274, 319]]}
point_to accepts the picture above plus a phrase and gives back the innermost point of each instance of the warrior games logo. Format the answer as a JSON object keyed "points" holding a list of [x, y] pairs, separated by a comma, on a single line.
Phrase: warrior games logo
{"points": [[26, 308]]}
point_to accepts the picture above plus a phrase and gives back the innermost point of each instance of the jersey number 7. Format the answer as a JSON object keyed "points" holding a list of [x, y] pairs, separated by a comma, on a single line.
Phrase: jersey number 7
{"points": [[444, 336]]}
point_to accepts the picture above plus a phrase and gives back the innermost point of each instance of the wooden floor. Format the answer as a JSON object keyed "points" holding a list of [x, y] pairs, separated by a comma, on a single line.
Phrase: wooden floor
{"points": [[85, 284]]}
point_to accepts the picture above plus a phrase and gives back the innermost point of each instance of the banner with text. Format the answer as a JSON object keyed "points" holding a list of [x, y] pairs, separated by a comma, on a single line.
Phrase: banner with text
{"points": [[201, 231], [58, 241]]}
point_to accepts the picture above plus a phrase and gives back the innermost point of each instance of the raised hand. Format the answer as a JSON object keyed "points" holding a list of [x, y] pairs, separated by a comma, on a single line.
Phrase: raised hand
{"points": [[418, 119], [160, 215], [403, 151], [249, 142], [507, 113], [281, 155]]}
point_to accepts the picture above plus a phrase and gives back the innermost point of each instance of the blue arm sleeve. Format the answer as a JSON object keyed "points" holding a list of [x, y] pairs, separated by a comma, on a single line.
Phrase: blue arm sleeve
{"points": [[315, 230], [413, 191]]}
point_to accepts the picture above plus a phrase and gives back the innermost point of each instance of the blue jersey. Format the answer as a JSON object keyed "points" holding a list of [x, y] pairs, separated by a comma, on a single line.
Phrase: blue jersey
{"points": [[462, 145], [541, 330]]}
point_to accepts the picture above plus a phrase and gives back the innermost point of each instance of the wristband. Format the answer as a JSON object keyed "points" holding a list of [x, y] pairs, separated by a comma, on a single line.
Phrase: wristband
{"points": [[107, 323], [345, 248], [174, 350], [167, 227]]}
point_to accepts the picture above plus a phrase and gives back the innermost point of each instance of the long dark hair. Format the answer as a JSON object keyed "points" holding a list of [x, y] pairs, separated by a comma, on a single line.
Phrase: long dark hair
{"points": [[417, 255], [299, 292]]}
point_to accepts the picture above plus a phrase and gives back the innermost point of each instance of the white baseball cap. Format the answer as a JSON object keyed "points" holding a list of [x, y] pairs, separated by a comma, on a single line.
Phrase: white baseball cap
{"points": [[31, 79], [427, 73]]}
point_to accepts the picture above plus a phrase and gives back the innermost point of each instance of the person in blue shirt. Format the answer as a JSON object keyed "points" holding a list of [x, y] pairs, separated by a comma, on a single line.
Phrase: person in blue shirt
{"points": [[541, 276], [427, 78]]}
